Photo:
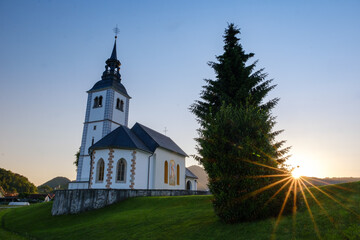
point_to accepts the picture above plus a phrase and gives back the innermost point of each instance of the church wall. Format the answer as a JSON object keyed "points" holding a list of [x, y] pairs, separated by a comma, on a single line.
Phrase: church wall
{"points": [[118, 115], [85, 170], [97, 114], [99, 154], [127, 155], [140, 169], [163, 155], [93, 133]]}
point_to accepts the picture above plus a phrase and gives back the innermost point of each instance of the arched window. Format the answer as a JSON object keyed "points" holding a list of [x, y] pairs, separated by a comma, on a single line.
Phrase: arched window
{"points": [[121, 171], [118, 103], [96, 102], [100, 170], [166, 172], [188, 185], [178, 174], [122, 105], [100, 101]]}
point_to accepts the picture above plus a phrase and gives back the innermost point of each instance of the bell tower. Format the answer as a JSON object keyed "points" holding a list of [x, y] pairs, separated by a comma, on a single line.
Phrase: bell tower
{"points": [[107, 108]]}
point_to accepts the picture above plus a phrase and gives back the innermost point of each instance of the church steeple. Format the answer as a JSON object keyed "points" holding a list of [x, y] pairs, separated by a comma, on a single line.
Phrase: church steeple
{"points": [[112, 67], [113, 54]]}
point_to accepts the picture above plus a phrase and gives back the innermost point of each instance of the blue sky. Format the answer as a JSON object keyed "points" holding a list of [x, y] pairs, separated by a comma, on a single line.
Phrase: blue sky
{"points": [[52, 52]]}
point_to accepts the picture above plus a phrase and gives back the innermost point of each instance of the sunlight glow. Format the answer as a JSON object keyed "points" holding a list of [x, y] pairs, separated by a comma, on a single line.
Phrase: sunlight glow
{"points": [[296, 173]]}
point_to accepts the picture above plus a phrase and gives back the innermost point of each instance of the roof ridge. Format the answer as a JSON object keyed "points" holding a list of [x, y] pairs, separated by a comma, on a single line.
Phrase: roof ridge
{"points": [[130, 137], [152, 130], [144, 128]]}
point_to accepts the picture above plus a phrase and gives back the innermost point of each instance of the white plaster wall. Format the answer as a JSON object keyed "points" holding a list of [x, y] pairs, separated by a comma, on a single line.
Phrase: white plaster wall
{"points": [[141, 171], [140, 168], [163, 155], [97, 134], [104, 154], [97, 114], [85, 171], [78, 185], [127, 155], [119, 116]]}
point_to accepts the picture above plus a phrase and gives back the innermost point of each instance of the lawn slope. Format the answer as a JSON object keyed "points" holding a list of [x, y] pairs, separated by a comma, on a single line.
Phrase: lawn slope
{"points": [[192, 217], [4, 234]]}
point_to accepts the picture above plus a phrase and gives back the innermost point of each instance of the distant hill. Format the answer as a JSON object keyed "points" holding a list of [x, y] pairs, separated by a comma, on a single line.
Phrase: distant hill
{"points": [[202, 182], [56, 182], [15, 183], [203, 179], [328, 181]]}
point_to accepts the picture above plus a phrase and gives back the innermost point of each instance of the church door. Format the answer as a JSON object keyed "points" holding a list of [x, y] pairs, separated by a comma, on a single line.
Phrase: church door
{"points": [[188, 185]]}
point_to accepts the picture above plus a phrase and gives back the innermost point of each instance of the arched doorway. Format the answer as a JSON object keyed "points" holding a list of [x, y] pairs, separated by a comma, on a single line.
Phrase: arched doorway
{"points": [[188, 185]]}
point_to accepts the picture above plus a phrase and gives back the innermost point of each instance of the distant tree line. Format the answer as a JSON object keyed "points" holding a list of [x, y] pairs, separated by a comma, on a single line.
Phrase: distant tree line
{"points": [[15, 183]]}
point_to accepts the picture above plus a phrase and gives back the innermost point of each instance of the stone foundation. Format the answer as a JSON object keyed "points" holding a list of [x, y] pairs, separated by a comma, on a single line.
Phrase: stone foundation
{"points": [[80, 200]]}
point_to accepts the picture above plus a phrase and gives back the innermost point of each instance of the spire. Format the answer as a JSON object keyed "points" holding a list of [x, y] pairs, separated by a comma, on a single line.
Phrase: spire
{"points": [[113, 54], [112, 67]]}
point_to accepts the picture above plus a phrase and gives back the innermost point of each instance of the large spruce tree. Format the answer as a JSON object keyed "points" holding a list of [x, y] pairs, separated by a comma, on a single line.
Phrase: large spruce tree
{"points": [[236, 139]]}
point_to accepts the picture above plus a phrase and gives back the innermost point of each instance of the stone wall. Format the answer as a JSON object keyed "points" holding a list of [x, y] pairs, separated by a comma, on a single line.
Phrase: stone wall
{"points": [[80, 200]]}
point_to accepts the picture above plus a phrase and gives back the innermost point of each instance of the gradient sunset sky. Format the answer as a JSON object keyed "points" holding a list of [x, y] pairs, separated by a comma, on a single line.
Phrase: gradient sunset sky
{"points": [[52, 52]]}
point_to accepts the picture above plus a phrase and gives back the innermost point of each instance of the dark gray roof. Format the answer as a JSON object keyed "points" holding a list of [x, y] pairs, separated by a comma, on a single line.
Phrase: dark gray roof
{"points": [[153, 139], [189, 174], [121, 137], [109, 83], [113, 54]]}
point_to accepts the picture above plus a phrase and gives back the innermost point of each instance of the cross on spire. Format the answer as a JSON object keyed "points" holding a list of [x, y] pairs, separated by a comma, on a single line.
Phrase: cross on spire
{"points": [[116, 30]]}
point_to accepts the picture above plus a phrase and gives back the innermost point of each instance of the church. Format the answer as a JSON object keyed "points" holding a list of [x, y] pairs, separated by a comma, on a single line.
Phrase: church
{"points": [[114, 156]]}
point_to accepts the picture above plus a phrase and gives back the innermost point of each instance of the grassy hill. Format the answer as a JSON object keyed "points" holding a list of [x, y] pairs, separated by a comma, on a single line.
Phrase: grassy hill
{"points": [[192, 217], [56, 182]]}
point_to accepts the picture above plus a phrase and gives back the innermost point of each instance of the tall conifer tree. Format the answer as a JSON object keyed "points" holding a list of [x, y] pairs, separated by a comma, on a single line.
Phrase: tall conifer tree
{"points": [[238, 84], [236, 135]]}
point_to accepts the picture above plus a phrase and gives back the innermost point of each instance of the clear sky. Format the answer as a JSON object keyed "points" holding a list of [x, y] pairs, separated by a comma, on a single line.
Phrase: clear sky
{"points": [[52, 52]]}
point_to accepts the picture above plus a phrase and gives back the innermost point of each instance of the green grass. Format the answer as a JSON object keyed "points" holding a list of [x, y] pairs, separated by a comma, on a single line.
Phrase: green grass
{"points": [[189, 217], [6, 234]]}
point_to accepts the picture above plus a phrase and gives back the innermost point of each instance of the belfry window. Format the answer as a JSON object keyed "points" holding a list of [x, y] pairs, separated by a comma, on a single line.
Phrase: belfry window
{"points": [[121, 171], [98, 102], [120, 104], [100, 171]]}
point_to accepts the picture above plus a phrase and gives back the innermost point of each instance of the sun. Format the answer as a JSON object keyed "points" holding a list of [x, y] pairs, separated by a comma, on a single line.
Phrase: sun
{"points": [[296, 173]]}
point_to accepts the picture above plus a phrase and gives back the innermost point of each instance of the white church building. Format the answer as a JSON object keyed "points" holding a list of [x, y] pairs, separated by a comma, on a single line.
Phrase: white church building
{"points": [[114, 156]]}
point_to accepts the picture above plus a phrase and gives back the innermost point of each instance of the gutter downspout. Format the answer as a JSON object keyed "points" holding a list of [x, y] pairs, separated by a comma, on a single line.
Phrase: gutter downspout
{"points": [[90, 154], [148, 178]]}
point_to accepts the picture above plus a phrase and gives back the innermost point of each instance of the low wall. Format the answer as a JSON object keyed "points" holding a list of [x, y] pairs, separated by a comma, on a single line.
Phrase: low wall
{"points": [[80, 200]]}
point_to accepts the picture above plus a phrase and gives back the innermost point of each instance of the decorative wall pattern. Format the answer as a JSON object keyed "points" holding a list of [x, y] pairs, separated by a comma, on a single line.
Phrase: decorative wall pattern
{"points": [[92, 160], [109, 169], [109, 108], [132, 172]]}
